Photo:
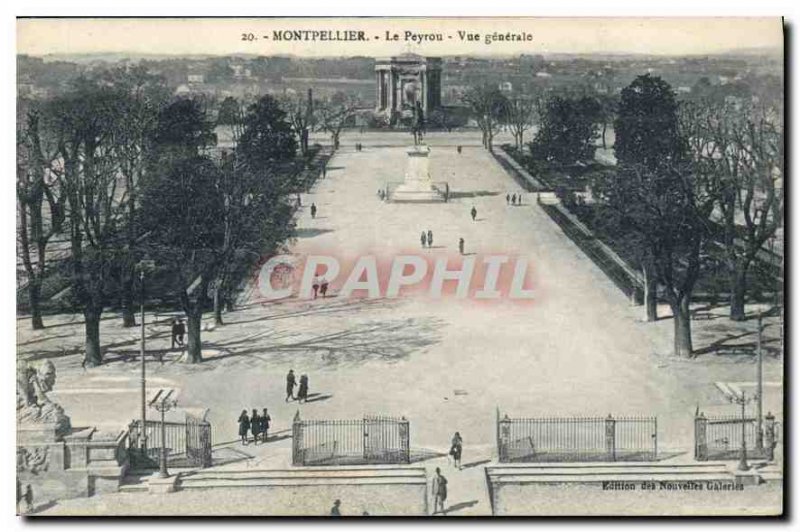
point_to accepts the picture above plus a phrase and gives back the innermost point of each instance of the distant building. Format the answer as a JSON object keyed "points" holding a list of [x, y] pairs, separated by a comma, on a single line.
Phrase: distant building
{"points": [[543, 74], [195, 79], [684, 89], [506, 86], [404, 80]]}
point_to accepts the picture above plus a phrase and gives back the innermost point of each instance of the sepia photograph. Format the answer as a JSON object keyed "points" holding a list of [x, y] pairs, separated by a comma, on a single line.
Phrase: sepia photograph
{"points": [[400, 267]]}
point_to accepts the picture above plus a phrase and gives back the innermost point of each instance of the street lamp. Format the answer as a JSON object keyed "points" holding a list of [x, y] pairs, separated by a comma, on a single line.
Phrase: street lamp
{"points": [[742, 400], [143, 266], [163, 402]]}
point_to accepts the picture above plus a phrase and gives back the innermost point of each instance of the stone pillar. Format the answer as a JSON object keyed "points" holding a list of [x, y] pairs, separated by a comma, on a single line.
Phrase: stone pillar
{"points": [[405, 443], [611, 443], [297, 439], [700, 443], [769, 436], [503, 438]]}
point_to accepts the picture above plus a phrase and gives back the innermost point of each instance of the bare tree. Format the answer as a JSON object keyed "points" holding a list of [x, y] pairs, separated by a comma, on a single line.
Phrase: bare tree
{"points": [[334, 115], [300, 111], [748, 152], [40, 202], [488, 107], [520, 113]]}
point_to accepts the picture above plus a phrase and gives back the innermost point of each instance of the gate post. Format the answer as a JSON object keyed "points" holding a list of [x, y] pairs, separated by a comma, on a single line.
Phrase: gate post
{"points": [[405, 444], [611, 443], [297, 440], [700, 442], [769, 436], [504, 435]]}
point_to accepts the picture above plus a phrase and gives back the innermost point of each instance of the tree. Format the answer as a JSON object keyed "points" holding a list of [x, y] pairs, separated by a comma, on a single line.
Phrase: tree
{"points": [[646, 129], [140, 97], [488, 106], [747, 151], [267, 137], [334, 114], [40, 201], [520, 113], [183, 213], [183, 210], [568, 131], [300, 112], [83, 122], [667, 202], [229, 112]]}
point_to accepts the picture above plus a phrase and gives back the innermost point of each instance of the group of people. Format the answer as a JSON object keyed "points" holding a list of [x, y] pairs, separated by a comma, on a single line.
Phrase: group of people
{"points": [[319, 286], [302, 390], [257, 425], [514, 199], [383, 195], [359, 146], [426, 238]]}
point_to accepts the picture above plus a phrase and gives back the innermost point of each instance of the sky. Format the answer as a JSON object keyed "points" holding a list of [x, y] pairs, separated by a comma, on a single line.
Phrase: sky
{"points": [[215, 36]]}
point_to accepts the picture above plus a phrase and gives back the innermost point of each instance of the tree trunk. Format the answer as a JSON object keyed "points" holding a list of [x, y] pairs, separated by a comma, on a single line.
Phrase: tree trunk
{"points": [[682, 320], [605, 126], [304, 141], [93, 356], [738, 287], [128, 307], [650, 295], [194, 350], [34, 298], [217, 308]]}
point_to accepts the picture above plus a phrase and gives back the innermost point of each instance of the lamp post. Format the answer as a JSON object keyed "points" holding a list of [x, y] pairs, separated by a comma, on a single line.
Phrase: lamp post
{"points": [[742, 400], [163, 402], [760, 388], [143, 266]]}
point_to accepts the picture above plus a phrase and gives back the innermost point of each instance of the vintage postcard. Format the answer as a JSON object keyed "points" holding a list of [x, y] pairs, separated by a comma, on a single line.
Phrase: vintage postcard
{"points": [[400, 267]]}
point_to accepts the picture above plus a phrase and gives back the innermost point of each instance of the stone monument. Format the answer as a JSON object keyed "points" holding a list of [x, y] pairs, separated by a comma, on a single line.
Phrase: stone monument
{"points": [[54, 459], [417, 185]]}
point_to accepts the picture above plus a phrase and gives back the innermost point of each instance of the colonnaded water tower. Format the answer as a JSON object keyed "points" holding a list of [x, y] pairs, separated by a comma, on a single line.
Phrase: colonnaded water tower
{"points": [[406, 79]]}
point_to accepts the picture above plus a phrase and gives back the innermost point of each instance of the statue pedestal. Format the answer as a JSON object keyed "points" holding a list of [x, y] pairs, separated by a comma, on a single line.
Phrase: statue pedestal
{"points": [[417, 186]]}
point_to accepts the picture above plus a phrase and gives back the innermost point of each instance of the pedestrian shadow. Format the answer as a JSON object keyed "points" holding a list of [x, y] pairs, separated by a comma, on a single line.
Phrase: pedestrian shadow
{"points": [[475, 464], [273, 439], [461, 506], [310, 232], [314, 397], [473, 194], [420, 455], [435, 247]]}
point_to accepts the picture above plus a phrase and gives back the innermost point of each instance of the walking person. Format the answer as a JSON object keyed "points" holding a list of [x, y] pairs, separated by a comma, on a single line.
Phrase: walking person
{"points": [[461, 245], [439, 490], [181, 331], [265, 422], [474, 213], [315, 286], [423, 239], [299, 203], [324, 171], [335, 508], [244, 426], [508, 199], [430, 238], [458, 149], [255, 425], [290, 384], [323, 287], [174, 333], [456, 446], [28, 499], [514, 199], [302, 391], [313, 211]]}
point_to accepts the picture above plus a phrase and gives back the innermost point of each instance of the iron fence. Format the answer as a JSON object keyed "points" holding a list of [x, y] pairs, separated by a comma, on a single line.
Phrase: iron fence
{"points": [[568, 439], [720, 437], [371, 440], [188, 444]]}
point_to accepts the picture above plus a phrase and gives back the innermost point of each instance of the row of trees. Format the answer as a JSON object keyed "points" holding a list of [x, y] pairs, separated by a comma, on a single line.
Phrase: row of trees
{"points": [[125, 172], [693, 180]]}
